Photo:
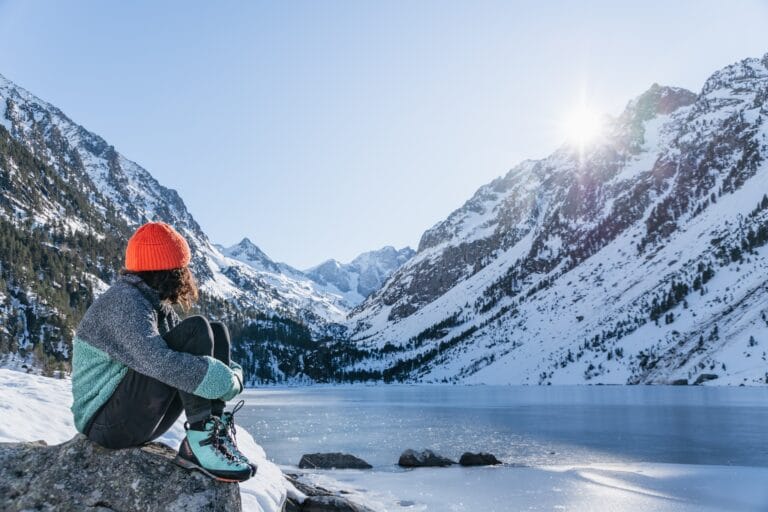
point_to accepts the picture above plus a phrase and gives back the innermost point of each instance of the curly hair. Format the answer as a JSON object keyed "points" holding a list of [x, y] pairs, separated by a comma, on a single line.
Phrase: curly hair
{"points": [[176, 286]]}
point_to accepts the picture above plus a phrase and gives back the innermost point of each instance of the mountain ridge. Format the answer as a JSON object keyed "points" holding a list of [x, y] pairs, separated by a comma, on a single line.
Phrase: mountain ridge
{"points": [[351, 282], [461, 310]]}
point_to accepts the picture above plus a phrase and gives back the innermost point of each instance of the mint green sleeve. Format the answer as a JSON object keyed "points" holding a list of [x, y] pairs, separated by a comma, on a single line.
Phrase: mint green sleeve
{"points": [[220, 381], [236, 390]]}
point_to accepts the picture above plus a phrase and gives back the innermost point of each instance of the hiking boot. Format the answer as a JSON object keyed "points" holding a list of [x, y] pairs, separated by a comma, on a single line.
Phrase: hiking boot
{"points": [[228, 422], [206, 451]]}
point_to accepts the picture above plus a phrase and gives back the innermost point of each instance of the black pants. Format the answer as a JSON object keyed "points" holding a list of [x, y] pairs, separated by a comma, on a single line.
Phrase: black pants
{"points": [[142, 408]]}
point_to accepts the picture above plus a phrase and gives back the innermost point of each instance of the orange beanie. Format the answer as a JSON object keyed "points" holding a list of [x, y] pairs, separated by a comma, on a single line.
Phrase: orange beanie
{"points": [[156, 246]]}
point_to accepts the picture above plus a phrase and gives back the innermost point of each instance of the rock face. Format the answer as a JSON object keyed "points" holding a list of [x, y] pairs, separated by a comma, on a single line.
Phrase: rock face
{"points": [[478, 459], [80, 475], [332, 460], [423, 459]]}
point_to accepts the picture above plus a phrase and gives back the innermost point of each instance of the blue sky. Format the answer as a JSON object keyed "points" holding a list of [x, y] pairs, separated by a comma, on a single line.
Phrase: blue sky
{"points": [[323, 129]]}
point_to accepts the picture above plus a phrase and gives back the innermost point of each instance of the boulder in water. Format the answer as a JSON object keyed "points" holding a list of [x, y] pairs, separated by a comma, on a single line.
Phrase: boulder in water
{"points": [[331, 504], [332, 461], [478, 459], [426, 458]]}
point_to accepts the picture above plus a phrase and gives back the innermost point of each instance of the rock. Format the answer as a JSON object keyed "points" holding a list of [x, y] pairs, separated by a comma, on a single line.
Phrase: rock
{"points": [[306, 488], [427, 458], [81, 475], [331, 504], [332, 461], [291, 505], [478, 459], [704, 377], [319, 499], [680, 382]]}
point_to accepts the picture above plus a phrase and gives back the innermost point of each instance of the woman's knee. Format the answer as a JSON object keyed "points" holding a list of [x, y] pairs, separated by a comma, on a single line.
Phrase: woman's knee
{"points": [[222, 343], [220, 332], [196, 335]]}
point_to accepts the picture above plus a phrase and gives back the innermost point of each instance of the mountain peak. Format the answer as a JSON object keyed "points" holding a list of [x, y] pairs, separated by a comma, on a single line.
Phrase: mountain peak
{"points": [[247, 248], [657, 100]]}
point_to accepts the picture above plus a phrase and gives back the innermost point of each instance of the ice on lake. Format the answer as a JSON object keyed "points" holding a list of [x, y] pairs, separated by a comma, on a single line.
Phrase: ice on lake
{"points": [[584, 448]]}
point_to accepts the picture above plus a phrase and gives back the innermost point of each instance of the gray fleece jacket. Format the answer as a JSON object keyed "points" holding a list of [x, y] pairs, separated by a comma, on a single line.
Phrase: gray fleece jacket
{"points": [[123, 329]]}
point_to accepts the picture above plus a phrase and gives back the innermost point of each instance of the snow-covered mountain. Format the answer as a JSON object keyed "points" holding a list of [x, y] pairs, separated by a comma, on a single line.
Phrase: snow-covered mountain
{"points": [[362, 276], [641, 259], [350, 282], [68, 202], [248, 252]]}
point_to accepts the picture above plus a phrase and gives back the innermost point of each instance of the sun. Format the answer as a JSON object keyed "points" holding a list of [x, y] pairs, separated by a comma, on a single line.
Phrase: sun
{"points": [[582, 126]]}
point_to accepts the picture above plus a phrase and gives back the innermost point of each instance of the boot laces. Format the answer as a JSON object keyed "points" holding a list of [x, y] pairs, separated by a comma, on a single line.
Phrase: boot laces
{"points": [[231, 431], [231, 423], [217, 438]]}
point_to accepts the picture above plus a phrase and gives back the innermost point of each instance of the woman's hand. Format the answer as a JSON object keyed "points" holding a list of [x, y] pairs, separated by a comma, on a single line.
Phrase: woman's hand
{"points": [[237, 382]]}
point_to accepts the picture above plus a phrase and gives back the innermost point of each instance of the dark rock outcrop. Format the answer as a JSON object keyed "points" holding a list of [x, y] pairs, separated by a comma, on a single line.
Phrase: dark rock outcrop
{"points": [[478, 459], [427, 458], [331, 504], [704, 377], [332, 461], [80, 475], [319, 499]]}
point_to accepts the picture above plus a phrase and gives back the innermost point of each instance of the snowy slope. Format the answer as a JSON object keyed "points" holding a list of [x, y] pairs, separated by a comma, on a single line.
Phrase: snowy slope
{"points": [[642, 259], [36, 408]]}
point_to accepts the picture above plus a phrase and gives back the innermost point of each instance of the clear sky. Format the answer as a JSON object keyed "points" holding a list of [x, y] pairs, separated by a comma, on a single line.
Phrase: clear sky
{"points": [[323, 129]]}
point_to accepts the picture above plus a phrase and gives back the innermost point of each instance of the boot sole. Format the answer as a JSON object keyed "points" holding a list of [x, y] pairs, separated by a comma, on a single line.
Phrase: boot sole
{"points": [[184, 463]]}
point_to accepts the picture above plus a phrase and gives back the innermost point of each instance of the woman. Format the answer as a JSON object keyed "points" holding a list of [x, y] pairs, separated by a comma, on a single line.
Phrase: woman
{"points": [[135, 365]]}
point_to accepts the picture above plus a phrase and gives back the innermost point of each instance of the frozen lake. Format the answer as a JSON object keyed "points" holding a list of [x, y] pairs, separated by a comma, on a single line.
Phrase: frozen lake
{"points": [[670, 449], [526, 425]]}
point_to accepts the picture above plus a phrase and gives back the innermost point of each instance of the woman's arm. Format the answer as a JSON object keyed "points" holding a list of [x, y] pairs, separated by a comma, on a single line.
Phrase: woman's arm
{"points": [[124, 325]]}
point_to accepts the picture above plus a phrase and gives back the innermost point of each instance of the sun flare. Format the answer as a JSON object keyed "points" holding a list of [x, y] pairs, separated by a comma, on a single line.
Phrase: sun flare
{"points": [[582, 126]]}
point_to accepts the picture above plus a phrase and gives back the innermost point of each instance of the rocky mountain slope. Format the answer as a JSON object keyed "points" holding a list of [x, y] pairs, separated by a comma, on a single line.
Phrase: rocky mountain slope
{"points": [[640, 259]]}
